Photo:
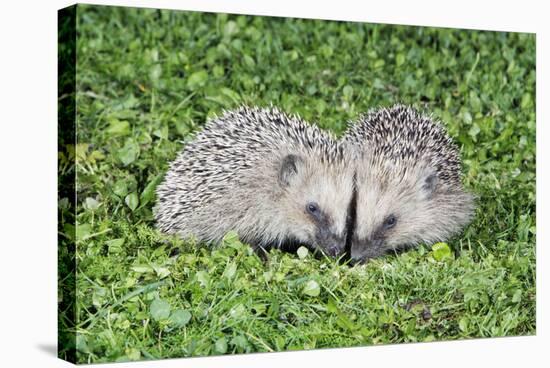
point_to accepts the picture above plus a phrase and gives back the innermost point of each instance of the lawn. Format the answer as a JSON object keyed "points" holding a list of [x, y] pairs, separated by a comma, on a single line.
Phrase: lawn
{"points": [[148, 80]]}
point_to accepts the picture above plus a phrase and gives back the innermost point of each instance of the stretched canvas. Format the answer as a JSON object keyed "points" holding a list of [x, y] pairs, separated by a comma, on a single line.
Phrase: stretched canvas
{"points": [[136, 89]]}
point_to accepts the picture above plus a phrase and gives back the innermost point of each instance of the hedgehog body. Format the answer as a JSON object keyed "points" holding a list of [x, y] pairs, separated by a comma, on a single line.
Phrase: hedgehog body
{"points": [[408, 182], [271, 177]]}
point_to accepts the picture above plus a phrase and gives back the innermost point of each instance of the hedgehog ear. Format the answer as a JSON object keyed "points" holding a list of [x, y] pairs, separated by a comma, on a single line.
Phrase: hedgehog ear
{"points": [[429, 183], [289, 168]]}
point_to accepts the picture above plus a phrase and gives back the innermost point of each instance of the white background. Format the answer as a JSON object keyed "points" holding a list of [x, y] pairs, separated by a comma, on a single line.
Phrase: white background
{"points": [[28, 67]]}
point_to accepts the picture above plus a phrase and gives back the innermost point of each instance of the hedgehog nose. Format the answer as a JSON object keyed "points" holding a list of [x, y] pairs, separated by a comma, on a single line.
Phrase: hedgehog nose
{"points": [[334, 250], [356, 257], [360, 258]]}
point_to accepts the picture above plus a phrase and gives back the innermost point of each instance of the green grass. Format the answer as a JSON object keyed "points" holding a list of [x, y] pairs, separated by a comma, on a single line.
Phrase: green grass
{"points": [[147, 81]]}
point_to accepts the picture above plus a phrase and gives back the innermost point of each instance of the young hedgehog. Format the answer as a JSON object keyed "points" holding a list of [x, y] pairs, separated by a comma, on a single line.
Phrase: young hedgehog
{"points": [[408, 183], [274, 179]]}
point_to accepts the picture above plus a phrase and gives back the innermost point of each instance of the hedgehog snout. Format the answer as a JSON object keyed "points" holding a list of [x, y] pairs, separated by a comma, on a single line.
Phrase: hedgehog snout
{"points": [[335, 246], [362, 250], [330, 243], [335, 250]]}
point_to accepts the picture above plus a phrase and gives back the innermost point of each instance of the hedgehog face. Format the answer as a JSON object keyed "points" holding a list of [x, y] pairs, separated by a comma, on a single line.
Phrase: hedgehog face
{"points": [[314, 202], [399, 208]]}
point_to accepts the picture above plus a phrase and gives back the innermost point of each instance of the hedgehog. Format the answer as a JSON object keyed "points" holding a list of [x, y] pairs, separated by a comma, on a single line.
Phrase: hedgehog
{"points": [[408, 183], [273, 178]]}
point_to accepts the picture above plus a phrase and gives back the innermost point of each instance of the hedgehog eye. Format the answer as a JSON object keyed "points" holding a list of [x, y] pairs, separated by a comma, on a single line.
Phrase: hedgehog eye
{"points": [[312, 208], [390, 222]]}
